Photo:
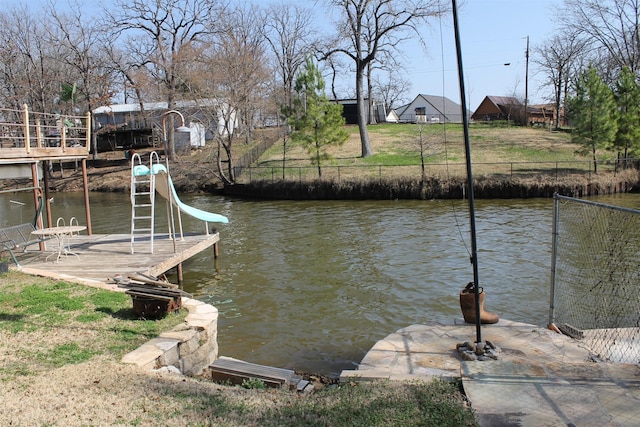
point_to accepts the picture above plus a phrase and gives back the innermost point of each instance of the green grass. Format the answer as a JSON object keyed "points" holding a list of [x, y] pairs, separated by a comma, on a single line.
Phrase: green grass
{"points": [[381, 403], [59, 324], [396, 152], [102, 322]]}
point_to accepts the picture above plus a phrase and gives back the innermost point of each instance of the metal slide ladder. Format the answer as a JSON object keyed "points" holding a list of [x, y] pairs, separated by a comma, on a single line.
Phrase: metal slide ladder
{"points": [[143, 196]]}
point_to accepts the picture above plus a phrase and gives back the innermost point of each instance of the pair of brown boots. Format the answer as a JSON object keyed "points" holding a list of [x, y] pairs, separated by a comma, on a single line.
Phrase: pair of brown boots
{"points": [[468, 306]]}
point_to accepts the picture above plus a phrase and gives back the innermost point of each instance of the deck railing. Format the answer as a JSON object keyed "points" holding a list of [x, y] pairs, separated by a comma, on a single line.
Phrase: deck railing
{"points": [[28, 130]]}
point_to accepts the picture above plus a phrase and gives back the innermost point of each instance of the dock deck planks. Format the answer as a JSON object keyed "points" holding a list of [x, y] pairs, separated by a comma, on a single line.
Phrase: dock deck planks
{"points": [[101, 256]]}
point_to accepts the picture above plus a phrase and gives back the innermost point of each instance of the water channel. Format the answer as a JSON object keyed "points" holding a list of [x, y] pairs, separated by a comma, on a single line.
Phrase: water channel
{"points": [[312, 285]]}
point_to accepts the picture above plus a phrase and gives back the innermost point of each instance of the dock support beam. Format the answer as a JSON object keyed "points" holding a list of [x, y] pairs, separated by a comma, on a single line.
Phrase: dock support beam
{"points": [[85, 187], [180, 275]]}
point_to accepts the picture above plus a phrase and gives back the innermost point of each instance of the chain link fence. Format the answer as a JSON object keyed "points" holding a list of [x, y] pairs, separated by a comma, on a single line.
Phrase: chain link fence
{"points": [[554, 170], [595, 280]]}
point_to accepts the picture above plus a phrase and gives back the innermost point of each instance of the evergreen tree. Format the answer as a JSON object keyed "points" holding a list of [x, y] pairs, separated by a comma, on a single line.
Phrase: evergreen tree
{"points": [[317, 123], [594, 114], [627, 97]]}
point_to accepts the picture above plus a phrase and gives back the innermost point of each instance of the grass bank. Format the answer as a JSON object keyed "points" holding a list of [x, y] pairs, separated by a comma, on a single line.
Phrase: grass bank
{"points": [[59, 365], [508, 162]]}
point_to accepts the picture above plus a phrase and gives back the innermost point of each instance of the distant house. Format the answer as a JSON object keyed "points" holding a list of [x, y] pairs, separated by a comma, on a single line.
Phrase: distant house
{"points": [[132, 126], [350, 109], [497, 108], [380, 113], [391, 117], [509, 108], [430, 109], [542, 115]]}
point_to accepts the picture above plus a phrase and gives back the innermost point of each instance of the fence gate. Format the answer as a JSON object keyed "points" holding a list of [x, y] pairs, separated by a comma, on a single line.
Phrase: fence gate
{"points": [[595, 277]]}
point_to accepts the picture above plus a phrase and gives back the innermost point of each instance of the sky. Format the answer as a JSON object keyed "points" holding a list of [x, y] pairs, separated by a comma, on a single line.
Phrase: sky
{"points": [[492, 33]]}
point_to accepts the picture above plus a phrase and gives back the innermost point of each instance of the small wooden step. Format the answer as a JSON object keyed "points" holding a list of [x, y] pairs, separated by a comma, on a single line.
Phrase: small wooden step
{"points": [[235, 371]]}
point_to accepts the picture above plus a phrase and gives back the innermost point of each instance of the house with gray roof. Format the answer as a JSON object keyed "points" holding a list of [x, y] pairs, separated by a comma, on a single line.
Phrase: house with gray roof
{"points": [[430, 109]]}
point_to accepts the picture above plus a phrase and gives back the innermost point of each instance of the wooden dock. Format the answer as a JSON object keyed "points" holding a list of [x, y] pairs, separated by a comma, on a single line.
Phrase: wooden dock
{"points": [[98, 257]]}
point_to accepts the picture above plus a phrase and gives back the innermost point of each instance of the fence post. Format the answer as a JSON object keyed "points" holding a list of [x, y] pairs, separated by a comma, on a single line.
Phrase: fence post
{"points": [[88, 132], [63, 135], [554, 245], [26, 129]]}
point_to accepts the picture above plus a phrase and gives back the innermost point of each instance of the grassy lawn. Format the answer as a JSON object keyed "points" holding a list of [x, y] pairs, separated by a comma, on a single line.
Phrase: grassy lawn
{"points": [[60, 323], [59, 365], [397, 152]]}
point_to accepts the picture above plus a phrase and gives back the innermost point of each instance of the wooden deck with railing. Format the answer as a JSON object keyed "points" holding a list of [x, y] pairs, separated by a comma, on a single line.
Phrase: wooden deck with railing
{"points": [[28, 137]]}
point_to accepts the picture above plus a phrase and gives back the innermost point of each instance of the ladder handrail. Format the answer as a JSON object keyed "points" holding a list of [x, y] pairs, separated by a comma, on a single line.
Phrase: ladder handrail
{"points": [[141, 171]]}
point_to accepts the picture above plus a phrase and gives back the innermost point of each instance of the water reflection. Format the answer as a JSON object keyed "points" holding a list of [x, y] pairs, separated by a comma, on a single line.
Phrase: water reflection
{"points": [[313, 285]]}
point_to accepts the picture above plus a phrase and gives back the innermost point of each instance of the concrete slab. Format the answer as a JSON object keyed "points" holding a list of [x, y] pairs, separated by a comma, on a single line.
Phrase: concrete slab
{"points": [[541, 378], [535, 393]]}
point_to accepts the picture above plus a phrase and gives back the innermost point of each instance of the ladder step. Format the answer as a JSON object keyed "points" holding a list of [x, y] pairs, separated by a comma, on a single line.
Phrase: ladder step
{"points": [[143, 205], [142, 217], [139, 230]]}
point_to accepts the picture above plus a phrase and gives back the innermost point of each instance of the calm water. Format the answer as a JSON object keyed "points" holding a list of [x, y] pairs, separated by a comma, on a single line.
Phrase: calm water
{"points": [[313, 285]]}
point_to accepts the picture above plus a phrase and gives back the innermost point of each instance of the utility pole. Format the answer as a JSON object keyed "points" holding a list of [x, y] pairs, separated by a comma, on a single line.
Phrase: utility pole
{"points": [[526, 85]]}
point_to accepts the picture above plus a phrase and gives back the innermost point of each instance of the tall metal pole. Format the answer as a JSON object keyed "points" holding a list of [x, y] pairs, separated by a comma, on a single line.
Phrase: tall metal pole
{"points": [[526, 85], [467, 149]]}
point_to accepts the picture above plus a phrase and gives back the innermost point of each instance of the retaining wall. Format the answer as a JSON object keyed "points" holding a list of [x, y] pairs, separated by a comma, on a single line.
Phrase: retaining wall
{"points": [[190, 347]]}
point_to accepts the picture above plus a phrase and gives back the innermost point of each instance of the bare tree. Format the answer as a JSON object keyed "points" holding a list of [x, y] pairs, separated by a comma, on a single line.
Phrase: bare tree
{"points": [[161, 37], [83, 53], [363, 27], [233, 73], [289, 31], [29, 74], [391, 90], [614, 26], [558, 59]]}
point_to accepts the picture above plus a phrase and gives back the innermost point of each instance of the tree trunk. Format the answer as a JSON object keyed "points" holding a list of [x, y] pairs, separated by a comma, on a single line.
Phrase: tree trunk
{"points": [[362, 116], [230, 170], [595, 162], [558, 94], [372, 118], [221, 171], [284, 154]]}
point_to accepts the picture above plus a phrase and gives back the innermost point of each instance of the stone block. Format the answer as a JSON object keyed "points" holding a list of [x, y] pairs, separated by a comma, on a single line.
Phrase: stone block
{"points": [[164, 344], [205, 309], [181, 335], [201, 321], [194, 364], [145, 357]]}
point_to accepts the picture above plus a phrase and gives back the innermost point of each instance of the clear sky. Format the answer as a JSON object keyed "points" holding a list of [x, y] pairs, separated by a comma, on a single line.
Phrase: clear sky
{"points": [[492, 33]]}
